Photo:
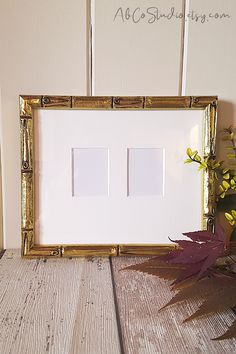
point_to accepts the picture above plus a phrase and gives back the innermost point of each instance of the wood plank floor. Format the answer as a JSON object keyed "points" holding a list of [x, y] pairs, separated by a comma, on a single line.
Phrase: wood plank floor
{"points": [[91, 306]]}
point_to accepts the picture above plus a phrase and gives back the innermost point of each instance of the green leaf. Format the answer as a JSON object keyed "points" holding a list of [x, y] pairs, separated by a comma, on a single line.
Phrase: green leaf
{"points": [[226, 185], [216, 165], [204, 164], [233, 212], [197, 158], [189, 152], [188, 161], [232, 182], [226, 176], [229, 217]]}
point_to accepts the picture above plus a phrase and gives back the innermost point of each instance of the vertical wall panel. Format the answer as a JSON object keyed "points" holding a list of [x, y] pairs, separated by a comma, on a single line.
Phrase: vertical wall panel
{"points": [[211, 55], [210, 61], [1, 210], [134, 52], [43, 51]]}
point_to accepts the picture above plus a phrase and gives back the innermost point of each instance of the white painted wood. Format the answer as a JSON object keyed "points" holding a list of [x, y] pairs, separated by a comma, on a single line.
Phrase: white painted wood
{"points": [[43, 51], [136, 58], [58, 306], [1, 209], [211, 57], [95, 329], [145, 330], [210, 62], [184, 54]]}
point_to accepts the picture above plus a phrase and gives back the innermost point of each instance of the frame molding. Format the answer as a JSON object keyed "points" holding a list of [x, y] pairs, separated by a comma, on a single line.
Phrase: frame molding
{"points": [[29, 103]]}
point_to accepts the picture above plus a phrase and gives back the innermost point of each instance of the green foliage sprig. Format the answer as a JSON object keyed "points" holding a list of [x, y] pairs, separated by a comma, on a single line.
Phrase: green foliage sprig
{"points": [[225, 175], [230, 137], [231, 217]]}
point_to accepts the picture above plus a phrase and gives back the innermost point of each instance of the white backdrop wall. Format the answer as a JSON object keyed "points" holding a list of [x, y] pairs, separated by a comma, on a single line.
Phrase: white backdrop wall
{"points": [[136, 51]]}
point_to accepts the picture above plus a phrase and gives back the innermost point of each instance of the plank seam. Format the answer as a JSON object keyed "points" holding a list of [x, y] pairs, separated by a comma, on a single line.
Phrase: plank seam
{"points": [[2, 253], [184, 49], [89, 50], [117, 312]]}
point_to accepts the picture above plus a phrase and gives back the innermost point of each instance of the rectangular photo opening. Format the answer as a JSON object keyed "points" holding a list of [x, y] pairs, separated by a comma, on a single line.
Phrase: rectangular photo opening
{"points": [[90, 172], [145, 171]]}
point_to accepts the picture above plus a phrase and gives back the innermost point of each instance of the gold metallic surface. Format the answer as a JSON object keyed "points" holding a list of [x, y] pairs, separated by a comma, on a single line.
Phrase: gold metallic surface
{"points": [[29, 103], [168, 102], [57, 101], [27, 201], [201, 102], [91, 102], [43, 251], [209, 151], [208, 200], [210, 129], [27, 241], [26, 132], [87, 250], [144, 250], [134, 102]]}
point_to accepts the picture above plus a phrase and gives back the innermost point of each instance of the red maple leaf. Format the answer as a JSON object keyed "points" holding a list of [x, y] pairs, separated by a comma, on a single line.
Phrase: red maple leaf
{"points": [[199, 254], [191, 266]]}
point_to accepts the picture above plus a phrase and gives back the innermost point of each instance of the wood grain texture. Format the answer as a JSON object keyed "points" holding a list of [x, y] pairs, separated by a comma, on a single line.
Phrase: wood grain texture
{"points": [[43, 305], [95, 331], [145, 330]]}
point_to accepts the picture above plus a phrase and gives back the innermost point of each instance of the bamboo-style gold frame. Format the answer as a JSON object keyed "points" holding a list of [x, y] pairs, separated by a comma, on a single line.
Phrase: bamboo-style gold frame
{"points": [[27, 106]]}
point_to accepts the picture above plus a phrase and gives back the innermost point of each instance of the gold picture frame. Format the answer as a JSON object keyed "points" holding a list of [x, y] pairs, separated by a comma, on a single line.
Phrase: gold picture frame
{"points": [[27, 106]]}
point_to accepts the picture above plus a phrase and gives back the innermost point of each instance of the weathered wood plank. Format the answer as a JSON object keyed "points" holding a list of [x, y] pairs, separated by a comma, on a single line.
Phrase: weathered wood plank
{"points": [[145, 330], [43, 304], [94, 330]]}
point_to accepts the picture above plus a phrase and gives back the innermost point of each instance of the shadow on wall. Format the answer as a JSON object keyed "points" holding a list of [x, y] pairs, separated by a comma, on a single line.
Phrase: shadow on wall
{"points": [[226, 114], [226, 117]]}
